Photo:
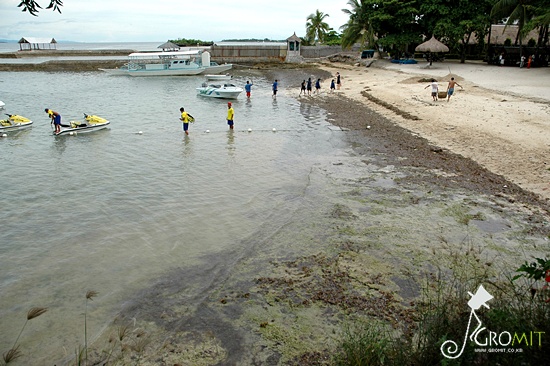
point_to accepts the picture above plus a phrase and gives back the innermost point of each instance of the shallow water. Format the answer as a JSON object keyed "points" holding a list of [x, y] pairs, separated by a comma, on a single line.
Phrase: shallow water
{"points": [[112, 210]]}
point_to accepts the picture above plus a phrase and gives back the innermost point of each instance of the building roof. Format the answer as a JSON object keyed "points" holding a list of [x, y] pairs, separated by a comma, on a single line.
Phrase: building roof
{"points": [[36, 40], [294, 37], [169, 46]]}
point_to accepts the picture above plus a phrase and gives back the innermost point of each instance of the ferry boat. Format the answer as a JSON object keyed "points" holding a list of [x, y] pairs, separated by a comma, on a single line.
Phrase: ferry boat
{"points": [[169, 63]]}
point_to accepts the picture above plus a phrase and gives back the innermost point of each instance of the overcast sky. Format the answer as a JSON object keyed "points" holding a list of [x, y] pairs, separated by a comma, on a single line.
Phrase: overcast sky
{"points": [[160, 20]]}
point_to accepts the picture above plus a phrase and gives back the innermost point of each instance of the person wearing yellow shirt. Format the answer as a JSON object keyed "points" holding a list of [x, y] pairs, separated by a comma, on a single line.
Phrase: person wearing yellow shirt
{"points": [[230, 115], [56, 119], [186, 118]]}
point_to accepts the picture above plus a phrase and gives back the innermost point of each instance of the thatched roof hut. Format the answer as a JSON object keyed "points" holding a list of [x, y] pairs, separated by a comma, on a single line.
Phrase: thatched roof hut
{"points": [[432, 45], [169, 46]]}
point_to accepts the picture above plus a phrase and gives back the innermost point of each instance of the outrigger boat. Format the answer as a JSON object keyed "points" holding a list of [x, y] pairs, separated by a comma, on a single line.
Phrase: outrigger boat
{"points": [[14, 122], [227, 91], [92, 123]]}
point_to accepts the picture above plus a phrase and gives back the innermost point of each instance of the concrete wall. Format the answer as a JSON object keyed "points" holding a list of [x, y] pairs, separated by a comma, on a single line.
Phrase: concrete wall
{"points": [[247, 54], [323, 51]]}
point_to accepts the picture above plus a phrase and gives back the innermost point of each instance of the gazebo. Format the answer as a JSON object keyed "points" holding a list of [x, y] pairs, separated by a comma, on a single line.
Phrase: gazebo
{"points": [[33, 43], [169, 46], [432, 45], [293, 48]]}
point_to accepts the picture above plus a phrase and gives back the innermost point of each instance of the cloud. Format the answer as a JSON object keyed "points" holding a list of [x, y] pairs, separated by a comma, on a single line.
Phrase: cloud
{"points": [[160, 20]]}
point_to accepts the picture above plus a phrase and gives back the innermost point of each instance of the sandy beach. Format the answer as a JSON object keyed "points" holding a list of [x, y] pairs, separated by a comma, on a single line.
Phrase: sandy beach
{"points": [[500, 118]]}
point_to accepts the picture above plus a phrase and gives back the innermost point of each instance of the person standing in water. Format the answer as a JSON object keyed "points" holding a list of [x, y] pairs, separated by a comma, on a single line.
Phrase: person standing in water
{"points": [[248, 88], [56, 119], [185, 118], [230, 115], [275, 88]]}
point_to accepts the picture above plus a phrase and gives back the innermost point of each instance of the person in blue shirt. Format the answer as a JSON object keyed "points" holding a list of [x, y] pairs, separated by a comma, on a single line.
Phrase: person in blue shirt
{"points": [[275, 84], [308, 87], [248, 88], [318, 86]]}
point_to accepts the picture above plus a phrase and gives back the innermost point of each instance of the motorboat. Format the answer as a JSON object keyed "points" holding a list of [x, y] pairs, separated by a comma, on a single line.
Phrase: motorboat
{"points": [[215, 68], [14, 122], [91, 123], [218, 77], [228, 91]]}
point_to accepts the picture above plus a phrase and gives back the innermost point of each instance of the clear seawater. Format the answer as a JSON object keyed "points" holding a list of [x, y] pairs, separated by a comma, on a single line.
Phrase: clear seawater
{"points": [[113, 210]]}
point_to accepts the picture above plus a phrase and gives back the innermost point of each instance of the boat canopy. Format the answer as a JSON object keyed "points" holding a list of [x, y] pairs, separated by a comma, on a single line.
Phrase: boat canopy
{"points": [[170, 54]]}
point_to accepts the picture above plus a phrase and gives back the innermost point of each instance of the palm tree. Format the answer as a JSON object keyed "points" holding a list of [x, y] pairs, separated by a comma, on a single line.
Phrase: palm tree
{"points": [[316, 28], [515, 10], [359, 27]]}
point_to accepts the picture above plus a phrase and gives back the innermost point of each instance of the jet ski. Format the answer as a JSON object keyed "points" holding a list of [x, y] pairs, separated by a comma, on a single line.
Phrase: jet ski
{"points": [[91, 123], [14, 122]]}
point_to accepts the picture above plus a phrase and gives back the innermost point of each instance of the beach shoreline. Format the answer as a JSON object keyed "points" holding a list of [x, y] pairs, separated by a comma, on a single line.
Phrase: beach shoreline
{"points": [[498, 119]]}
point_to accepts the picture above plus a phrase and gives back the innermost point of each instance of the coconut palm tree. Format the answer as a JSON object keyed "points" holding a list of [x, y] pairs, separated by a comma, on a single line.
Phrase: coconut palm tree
{"points": [[316, 28], [359, 27], [516, 11]]}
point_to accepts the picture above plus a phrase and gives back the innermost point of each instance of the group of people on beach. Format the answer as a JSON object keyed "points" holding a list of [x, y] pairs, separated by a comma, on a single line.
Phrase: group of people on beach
{"points": [[306, 86], [450, 89]]}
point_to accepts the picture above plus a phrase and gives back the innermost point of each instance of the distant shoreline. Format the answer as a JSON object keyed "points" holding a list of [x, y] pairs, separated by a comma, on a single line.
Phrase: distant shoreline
{"points": [[62, 53]]}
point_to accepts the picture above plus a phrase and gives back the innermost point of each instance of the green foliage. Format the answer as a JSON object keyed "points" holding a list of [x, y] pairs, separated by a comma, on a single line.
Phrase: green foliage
{"points": [[316, 27], [508, 42], [183, 42], [32, 6], [531, 43], [534, 270]]}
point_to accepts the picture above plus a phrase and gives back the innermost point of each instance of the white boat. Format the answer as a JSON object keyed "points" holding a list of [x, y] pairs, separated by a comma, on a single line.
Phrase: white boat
{"points": [[169, 63], [214, 68], [2, 105], [14, 122], [92, 123], [218, 77], [228, 91]]}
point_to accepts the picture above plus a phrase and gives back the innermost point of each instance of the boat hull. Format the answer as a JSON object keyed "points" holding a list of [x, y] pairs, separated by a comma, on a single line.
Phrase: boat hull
{"points": [[140, 73], [15, 127], [216, 69], [218, 93], [85, 129], [218, 77]]}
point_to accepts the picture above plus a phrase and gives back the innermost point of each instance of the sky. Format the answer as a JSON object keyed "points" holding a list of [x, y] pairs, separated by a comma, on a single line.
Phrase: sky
{"points": [[161, 20]]}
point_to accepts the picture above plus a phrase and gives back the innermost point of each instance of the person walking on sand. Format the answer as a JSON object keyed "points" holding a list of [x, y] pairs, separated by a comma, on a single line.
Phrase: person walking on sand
{"points": [[303, 88], [318, 86], [435, 89], [338, 81], [451, 88], [308, 86], [230, 115], [185, 119], [332, 86], [56, 119], [274, 87], [248, 88]]}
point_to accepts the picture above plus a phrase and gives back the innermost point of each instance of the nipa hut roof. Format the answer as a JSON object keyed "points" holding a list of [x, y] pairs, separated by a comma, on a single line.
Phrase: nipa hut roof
{"points": [[169, 46], [432, 45]]}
